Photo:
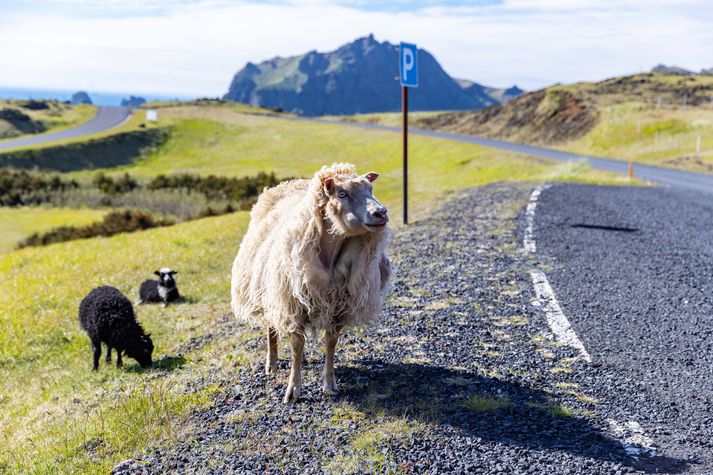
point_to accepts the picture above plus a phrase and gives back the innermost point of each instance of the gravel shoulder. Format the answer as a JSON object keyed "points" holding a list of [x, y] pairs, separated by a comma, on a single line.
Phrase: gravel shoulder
{"points": [[462, 375]]}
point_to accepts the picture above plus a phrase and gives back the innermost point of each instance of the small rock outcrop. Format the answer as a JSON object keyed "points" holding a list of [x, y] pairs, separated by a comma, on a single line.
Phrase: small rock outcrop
{"points": [[133, 101], [80, 97]]}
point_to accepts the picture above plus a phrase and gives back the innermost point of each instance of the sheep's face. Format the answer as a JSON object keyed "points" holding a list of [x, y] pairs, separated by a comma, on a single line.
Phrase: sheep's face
{"points": [[165, 277], [352, 206], [141, 350]]}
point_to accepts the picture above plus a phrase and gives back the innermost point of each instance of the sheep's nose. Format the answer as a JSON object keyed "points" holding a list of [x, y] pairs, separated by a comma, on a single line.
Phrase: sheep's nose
{"points": [[381, 214]]}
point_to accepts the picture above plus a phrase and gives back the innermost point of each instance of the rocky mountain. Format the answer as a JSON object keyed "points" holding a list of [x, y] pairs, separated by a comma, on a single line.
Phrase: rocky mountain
{"points": [[80, 97], [359, 77], [663, 69]]}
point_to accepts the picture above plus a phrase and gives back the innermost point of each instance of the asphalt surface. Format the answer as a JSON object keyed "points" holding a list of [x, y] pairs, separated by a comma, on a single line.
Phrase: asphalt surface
{"points": [[633, 272], [107, 117], [660, 175]]}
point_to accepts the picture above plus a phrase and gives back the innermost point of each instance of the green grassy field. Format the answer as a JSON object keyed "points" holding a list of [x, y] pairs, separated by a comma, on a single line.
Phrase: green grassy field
{"points": [[18, 223], [222, 140], [391, 119], [658, 136], [59, 417]]}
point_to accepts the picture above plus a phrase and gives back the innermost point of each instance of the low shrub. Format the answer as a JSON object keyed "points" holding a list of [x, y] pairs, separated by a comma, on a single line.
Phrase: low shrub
{"points": [[111, 186], [34, 105], [216, 187], [116, 222], [20, 188]]}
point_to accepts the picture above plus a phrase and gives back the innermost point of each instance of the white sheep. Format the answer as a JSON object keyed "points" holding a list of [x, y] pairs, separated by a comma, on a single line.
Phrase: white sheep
{"points": [[313, 258]]}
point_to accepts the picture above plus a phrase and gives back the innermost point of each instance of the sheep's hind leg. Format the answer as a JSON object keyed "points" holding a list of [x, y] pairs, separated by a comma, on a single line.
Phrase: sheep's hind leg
{"points": [[119, 363], [271, 360], [108, 354], [329, 386], [294, 385], [97, 352]]}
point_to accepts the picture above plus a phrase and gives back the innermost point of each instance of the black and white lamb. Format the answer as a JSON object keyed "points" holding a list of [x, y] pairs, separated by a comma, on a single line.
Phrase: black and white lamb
{"points": [[108, 316], [162, 290]]}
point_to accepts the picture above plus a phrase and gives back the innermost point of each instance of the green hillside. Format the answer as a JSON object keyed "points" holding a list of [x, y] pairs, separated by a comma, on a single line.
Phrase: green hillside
{"points": [[648, 118]]}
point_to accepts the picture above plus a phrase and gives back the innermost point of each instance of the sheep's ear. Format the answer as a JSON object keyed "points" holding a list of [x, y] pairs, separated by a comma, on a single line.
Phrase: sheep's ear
{"points": [[371, 176], [329, 186], [173, 272], [157, 273]]}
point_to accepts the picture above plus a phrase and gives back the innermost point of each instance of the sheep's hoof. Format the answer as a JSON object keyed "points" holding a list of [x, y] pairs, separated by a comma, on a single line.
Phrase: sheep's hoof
{"points": [[292, 394], [330, 389]]}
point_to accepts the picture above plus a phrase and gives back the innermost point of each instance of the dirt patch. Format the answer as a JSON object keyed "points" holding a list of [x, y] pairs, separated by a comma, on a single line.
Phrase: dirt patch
{"points": [[542, 117], [691, 163]]}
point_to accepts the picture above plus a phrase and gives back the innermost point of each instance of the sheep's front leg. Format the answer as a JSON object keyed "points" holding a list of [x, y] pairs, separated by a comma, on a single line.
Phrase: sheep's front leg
{"points": [[297, 340], [97, 349], [108, 354], [329, 386], [119, 363], [271, 360]]}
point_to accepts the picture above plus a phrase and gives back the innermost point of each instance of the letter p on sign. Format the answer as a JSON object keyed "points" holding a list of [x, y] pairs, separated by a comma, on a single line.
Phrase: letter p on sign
{"points": [[408, 65]]}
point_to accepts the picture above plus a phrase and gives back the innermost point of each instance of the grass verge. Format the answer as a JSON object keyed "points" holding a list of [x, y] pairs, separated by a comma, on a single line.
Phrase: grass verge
{"points": [[18, 223]]}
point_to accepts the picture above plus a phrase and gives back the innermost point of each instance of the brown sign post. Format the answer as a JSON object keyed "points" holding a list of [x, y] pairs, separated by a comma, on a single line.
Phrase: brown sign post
{"points": [[408, 77]]}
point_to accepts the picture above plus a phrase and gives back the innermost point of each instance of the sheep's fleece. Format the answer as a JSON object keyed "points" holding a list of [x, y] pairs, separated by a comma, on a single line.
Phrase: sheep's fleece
{"points": [[278, 279]]}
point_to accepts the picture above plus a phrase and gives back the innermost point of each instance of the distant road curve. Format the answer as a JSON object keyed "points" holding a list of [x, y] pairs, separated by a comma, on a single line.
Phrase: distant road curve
{"points": [[107, 117], [661, 175]]}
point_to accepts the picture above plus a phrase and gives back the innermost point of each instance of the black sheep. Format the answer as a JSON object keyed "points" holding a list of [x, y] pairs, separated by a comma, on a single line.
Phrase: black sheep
{"points": [[108, 316], [162, 290]]}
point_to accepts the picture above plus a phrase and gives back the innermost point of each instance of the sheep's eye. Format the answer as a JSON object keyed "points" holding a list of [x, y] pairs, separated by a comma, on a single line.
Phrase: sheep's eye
{"points": [[341, 194]]}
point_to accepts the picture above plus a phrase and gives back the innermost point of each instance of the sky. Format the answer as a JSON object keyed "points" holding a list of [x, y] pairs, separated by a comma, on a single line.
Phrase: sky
{"points": [[194, 47]]}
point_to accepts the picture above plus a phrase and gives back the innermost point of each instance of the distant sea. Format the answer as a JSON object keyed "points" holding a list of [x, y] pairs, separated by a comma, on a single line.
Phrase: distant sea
{"points": [[98, 97]]}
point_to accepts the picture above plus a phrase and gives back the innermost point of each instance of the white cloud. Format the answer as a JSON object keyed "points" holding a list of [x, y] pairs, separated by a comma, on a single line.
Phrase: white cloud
{"points": [[177, 46]]}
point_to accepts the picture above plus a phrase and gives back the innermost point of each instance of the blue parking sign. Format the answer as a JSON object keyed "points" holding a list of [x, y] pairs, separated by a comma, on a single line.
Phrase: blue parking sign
{"points": [[408, 65]]}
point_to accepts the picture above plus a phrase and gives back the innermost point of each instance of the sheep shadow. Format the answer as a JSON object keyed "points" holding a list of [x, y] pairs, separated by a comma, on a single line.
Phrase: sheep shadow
{"points": [[165, 363], [181, 300], [186, 299], [169, 363], [489, 408]]}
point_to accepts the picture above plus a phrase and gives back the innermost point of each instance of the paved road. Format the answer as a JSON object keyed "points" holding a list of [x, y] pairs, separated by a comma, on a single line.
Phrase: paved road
{"points": [[664, 176], [633, 272], [106, 118]]}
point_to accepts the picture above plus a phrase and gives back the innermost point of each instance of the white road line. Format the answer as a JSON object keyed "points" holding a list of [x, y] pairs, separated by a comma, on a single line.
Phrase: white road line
{"points": [[529, 239], [632, 438], [557, 321]]}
